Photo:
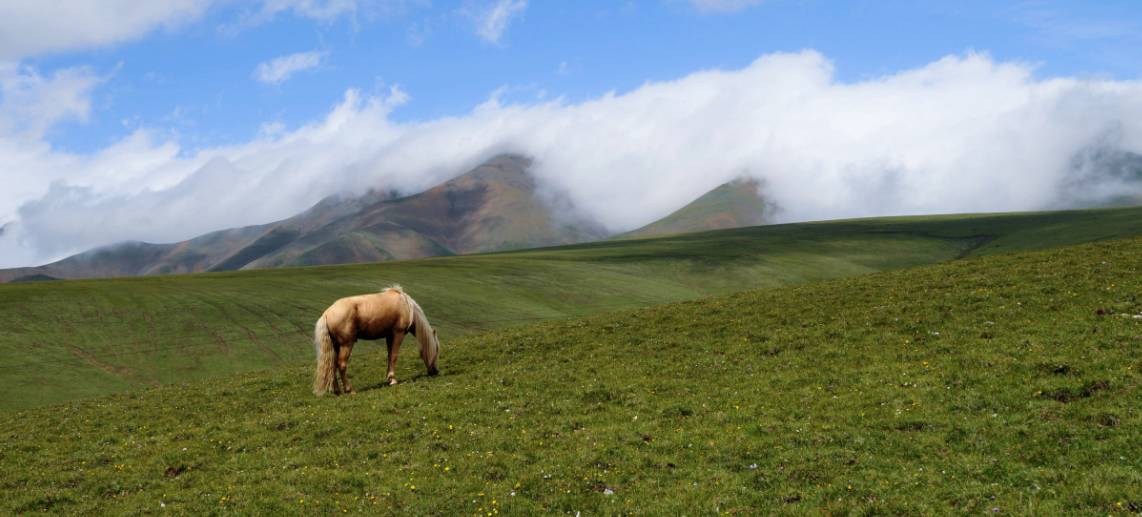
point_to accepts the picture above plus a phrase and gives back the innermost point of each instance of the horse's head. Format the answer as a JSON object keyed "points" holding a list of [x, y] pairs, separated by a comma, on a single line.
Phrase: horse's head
{"points": [[435, 353]]}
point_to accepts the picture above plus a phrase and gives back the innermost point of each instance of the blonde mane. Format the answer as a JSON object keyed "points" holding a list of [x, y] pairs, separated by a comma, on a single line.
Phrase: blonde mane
{"points": [[429, 345], [425, 335]]}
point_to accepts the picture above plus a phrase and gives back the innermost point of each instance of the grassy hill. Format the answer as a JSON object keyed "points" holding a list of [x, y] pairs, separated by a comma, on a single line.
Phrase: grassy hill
{"points": [[63, 341], [1002, 384], [732, 205]]}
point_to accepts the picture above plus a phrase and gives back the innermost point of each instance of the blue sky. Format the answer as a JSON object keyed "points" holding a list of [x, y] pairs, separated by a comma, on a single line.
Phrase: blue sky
{"points": [[159, 121], [196, 79]]}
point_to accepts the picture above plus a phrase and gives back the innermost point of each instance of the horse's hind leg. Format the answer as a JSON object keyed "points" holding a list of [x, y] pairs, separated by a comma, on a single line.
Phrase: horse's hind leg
{"points": [[336, 385], [394, 351], [343, 366]]}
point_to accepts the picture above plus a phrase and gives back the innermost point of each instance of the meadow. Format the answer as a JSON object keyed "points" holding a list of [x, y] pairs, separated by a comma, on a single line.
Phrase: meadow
{"points": [[1000, 384], [67, 341]]}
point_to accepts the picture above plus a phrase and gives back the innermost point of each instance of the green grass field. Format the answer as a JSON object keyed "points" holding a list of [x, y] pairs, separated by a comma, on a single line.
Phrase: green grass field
{"points": [[1003, 384], [64, 341]]}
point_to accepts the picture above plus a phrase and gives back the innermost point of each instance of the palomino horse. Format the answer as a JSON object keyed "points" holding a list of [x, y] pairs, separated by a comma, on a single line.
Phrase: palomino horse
{"points": [[389, 314]]}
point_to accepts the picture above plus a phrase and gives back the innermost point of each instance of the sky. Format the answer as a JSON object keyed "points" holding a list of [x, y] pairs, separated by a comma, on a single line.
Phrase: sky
{"points": [[158, 121]]}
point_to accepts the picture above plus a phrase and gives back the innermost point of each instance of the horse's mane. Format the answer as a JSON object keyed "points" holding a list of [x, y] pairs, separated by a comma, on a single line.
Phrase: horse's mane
{"points": [[424, 334], [419, 320]]}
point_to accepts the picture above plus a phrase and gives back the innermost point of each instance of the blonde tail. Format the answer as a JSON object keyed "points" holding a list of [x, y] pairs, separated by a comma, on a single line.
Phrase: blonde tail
{"points": [[323, 343]]}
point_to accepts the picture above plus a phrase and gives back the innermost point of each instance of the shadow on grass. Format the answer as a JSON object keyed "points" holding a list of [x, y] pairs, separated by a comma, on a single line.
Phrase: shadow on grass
{"points": [[415, 378]]}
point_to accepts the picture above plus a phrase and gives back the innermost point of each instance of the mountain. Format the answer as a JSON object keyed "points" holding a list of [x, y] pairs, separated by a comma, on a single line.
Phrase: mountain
{"points": [[731, 205], [490, 208], [494, 207]]}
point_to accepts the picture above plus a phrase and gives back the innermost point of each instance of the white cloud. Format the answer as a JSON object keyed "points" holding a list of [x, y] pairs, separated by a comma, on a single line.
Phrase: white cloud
{"points": [[326, 11], [320, 10], [316, 9], [964, 133], [30, 103], [33, 27], [278, 70], [271, 129], [722, 6], [492, 21]]}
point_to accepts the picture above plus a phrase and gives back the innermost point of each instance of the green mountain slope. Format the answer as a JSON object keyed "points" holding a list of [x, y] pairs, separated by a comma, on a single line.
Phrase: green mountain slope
{"points": [[1003, 384], [732, 205], [68, 340]]}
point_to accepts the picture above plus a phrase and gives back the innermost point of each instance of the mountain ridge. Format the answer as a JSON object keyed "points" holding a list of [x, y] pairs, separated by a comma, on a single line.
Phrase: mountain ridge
{"points": [[496, 206], [493, 207]]}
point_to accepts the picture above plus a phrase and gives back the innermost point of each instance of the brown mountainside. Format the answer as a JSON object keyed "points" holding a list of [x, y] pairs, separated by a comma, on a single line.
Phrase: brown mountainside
{"points": [[492, 207]]}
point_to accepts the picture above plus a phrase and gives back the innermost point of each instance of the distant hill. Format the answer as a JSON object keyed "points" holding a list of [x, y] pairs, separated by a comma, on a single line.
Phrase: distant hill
{"points": [[34, 278], [735, 204], [493, 207]]}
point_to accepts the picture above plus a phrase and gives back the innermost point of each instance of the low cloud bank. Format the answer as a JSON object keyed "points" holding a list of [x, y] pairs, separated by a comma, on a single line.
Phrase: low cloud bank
{"points": [[961, 134]]}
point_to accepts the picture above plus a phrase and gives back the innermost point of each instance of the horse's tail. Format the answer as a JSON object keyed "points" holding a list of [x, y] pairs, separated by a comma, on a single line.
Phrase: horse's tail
{"points": [[323, 343]]}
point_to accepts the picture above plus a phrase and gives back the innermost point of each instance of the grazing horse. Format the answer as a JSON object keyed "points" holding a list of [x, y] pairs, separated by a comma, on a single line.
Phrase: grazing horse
{"points": [[389, 314]]}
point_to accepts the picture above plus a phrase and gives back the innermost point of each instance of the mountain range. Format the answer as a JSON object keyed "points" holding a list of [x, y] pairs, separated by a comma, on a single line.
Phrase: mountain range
{"points": [[494, 207]]}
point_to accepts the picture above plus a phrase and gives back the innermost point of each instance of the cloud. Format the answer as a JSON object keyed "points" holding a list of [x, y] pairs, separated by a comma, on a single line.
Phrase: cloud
{"points": [[325, 11], [278, 70], [316, 9], [492, 21], [33, 27], [1058, 26], [265, 11], [30, 103], [722, 6], [961, 134]]}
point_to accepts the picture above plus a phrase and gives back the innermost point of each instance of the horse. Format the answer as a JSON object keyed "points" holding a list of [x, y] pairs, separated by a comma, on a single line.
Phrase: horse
{"points": [[390, 314]]}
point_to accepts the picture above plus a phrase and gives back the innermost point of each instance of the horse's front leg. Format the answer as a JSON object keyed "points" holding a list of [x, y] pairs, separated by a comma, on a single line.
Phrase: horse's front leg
{"points": [[343, 367], [394, 351]]}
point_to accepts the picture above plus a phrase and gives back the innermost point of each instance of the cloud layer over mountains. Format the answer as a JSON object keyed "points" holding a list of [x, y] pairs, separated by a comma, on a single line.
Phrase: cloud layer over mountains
{"points": [[961, 134]]}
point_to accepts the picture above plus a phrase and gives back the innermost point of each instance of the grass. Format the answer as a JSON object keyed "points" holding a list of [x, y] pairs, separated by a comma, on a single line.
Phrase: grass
{"points": [[65, 341], [1006, 383]]}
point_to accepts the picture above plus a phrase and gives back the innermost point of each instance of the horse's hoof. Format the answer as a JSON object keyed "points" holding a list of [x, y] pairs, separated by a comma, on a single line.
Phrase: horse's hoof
{"points": [[392, 382]]}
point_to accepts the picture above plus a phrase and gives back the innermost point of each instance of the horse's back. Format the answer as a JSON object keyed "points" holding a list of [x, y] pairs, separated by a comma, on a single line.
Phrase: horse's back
{"points": [[365, 316]]}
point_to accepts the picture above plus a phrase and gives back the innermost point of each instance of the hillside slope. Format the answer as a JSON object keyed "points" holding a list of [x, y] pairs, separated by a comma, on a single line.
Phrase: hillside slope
{"points": [[68, 340], [1005, 384], [732, 205]]}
